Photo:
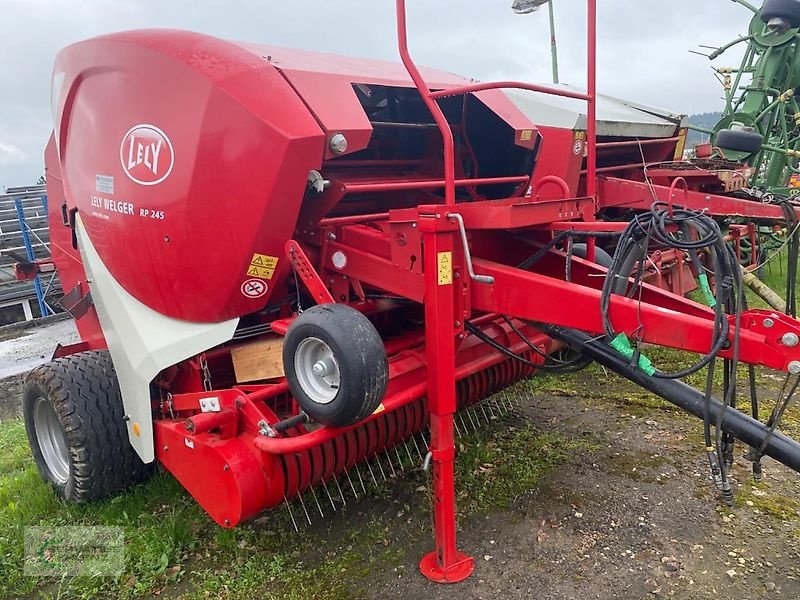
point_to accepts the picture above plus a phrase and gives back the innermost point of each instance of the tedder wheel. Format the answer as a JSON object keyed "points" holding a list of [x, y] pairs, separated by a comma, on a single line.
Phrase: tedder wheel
{"points": [[335, 364], [74, 420], [601, 257], [788, 10], [739, 140]]}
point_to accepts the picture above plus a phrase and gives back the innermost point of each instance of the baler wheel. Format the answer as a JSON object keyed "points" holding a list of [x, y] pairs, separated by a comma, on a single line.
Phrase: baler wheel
{"points": [[604, 259], [74, 421], [601, 257], [788, 10], [738, 140], [335, 363]]}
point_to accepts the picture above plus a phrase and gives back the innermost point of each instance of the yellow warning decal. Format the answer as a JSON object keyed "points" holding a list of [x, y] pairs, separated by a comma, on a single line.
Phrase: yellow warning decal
{"points": [[445, 268], [379, 410], [580, 135], [526, 135], [262, 266]]}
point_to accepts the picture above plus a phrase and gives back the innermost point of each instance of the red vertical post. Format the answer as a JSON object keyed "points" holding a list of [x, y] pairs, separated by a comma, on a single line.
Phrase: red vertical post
{"points": [[445, 564], [591, 125], [448, 143]]}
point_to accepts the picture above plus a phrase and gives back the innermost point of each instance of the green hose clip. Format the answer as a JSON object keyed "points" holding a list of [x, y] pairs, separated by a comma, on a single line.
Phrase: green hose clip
{"points": [[702, 281], [622, 344]]}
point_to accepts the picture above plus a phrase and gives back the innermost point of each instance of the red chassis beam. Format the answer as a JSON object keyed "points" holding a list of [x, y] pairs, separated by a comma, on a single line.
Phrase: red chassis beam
{"points": [[662, 318], [529, 296], [234, 470], [638, 195]]}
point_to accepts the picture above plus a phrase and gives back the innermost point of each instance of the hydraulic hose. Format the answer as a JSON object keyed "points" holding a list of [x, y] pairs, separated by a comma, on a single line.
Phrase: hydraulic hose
{"points": [[778, 446]]}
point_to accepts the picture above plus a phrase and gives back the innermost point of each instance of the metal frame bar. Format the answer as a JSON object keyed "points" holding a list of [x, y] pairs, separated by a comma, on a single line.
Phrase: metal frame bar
{"points": [[44, 309], [446, 564], [430, 97]]}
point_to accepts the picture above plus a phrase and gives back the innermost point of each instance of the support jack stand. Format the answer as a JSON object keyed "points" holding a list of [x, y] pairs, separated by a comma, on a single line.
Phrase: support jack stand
{"points": [[458, 570]]}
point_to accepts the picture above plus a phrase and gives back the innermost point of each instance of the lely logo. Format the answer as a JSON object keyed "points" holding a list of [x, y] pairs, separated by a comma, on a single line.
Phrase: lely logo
{"points": [[146, 154]]}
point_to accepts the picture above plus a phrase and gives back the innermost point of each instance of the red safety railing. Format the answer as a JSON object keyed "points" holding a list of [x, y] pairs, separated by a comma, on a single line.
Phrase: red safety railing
{"points": [[430, 97], [446, 564]]}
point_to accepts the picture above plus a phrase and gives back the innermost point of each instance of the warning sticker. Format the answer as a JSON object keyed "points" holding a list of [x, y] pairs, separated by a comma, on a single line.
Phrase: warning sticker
{"points": [[254, 288], [526, 135], [262, 266], [445, 260], [578, 146]]}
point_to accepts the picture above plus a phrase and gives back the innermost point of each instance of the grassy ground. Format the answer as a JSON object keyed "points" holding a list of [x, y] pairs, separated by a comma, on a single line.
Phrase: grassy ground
{"points": [[174, 550], [169, 542]]}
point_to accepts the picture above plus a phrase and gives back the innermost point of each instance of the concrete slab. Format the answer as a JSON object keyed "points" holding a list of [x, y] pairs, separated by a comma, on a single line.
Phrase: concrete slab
{"points": [[34, 347]]}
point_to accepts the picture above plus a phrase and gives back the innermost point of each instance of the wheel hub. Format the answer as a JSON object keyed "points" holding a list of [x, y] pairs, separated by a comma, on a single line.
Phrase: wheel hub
{"points": [[317, 370], [51, 439]]}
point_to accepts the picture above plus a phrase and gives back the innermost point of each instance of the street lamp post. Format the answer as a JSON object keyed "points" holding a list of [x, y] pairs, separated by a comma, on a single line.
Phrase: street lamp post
{"points": [[529, 6], [524, 7], [553, 46]]}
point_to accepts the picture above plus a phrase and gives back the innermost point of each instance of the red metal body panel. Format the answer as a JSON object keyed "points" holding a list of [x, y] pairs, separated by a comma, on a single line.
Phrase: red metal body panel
{"points": [[326, 86], [560, 154], [67, 258], [167, 138], [326, 83], [238, 134]]}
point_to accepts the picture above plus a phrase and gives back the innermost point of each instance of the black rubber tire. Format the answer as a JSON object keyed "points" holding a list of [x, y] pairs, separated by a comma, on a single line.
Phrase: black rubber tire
{"points": [[601, 257], [604, 259], [359, 353], [739, 141], [84, 392], [785, 9]]}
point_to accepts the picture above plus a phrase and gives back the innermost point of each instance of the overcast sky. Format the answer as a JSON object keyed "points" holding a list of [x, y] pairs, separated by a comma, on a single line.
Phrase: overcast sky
{"points": [[643, 53]]}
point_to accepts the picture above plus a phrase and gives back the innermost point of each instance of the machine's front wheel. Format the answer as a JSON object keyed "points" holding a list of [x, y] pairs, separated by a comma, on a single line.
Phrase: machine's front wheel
{"points": [[604, 259], [74, 420], [601, 257], [335, 364]]}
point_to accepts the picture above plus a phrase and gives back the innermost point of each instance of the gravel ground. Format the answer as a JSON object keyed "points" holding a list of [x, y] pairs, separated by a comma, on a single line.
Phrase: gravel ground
{"points": [[633, 516], [637, 518], [23, 347]]}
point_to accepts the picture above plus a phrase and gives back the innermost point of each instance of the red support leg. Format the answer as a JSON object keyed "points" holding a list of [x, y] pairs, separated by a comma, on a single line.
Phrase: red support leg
{"points": [[446, 564]]}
